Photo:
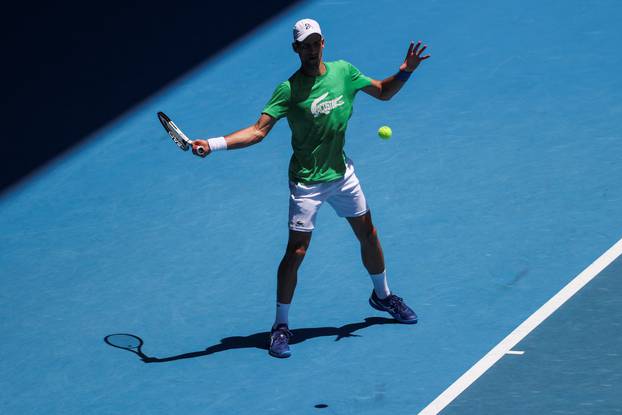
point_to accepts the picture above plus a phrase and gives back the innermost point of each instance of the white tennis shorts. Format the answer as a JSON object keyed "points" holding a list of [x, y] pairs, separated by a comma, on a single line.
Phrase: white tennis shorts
{"points": [[344, 195]]}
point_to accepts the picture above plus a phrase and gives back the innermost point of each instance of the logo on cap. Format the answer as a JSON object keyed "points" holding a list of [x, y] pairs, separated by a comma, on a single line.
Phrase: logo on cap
{"points": [[304, 28]]}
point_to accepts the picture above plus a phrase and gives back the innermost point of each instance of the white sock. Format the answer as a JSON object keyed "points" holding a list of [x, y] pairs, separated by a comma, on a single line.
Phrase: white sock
{"points": [[282, 313], [380, 284]]}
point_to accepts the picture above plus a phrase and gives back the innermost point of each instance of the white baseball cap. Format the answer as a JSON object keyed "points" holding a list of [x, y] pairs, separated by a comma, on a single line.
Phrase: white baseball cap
{"points": [[304, 28]]}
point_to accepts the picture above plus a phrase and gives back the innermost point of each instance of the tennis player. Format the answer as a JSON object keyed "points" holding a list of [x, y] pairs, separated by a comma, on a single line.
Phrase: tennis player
{"points": [[317, 101]]}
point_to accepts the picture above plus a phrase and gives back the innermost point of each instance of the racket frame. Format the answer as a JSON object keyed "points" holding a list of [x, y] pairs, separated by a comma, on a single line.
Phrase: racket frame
{"points": [[136, 350], [177, 135]]}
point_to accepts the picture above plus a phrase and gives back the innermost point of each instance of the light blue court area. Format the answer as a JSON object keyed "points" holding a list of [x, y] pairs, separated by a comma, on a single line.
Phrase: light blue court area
{"points": [[500, 184]]}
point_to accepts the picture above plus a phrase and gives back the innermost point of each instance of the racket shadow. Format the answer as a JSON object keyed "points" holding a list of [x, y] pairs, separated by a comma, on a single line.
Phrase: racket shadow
{"points": [[260, 340]]}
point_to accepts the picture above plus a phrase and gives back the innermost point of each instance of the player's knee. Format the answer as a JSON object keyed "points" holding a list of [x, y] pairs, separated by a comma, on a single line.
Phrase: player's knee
{"points": [[301, 251], [371, 236], [297, 251]]}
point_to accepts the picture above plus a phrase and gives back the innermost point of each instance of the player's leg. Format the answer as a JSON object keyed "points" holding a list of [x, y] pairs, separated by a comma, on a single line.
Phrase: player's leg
{"points": [[371, 250], [295, 252], [349, 201], [304, 203], [287, 274]]}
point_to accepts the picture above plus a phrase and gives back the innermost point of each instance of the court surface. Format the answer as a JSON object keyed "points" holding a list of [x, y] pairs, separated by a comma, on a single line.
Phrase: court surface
{"points": [[501, 183]]}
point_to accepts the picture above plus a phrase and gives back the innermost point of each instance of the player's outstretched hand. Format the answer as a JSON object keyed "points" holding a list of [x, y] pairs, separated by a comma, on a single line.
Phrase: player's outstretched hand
{"points": [[414, 57], [203, 144]]}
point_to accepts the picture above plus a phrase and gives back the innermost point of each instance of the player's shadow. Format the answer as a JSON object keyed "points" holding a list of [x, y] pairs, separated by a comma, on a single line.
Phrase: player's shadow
{"points": [[260, 340]]}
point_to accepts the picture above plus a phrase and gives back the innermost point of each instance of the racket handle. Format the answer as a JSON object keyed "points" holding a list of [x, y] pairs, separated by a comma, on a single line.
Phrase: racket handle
{"points": [[200, 150]]}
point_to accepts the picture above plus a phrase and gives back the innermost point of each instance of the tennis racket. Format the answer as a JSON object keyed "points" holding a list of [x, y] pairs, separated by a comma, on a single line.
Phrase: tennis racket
{"points": [[127, 342], [177, 135]]}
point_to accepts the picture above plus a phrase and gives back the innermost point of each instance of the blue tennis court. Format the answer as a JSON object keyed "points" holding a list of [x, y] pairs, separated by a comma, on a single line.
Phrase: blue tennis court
{"points": [[500, 185]]}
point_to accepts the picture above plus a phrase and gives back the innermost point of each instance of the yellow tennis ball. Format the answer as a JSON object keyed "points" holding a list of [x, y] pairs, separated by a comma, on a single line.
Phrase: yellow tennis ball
{"points": [[385, 132]]}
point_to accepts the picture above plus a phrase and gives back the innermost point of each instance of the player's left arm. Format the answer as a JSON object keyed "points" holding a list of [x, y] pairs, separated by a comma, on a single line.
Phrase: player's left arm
{"points": [[385, 89]]}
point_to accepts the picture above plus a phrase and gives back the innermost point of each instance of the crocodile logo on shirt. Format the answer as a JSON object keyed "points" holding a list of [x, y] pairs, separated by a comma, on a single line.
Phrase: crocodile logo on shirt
{"points": [[318, 107]]}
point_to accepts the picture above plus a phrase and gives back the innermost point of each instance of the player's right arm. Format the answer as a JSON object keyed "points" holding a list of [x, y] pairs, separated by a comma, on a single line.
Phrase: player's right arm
{"points": [[274, 110], [242, 138]]}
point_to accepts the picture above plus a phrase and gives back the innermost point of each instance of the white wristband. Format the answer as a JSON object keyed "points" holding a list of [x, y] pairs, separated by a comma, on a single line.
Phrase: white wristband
{"points": [[216, 144]]}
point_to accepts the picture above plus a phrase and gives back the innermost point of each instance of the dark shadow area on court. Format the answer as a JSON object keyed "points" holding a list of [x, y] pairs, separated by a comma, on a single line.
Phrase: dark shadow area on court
{"points": [[260, 340], [71, 67]]}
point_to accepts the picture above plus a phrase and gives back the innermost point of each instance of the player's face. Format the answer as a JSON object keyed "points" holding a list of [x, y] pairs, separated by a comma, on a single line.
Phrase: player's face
{"points": [[310, 50]]}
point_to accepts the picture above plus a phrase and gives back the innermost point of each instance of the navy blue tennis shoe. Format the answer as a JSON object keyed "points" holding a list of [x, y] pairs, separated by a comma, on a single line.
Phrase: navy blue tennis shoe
{"points": [[279, 342], [395, 306]]}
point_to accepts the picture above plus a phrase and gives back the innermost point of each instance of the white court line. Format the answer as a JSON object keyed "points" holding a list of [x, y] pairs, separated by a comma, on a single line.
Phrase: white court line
{"points": [[520, 332]]}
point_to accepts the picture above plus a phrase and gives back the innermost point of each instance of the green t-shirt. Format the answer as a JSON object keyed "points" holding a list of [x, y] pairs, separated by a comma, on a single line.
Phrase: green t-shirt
{"points": [[318, 109]]}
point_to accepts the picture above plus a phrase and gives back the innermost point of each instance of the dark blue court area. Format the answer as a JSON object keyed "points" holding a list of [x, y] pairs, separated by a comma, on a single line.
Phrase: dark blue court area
{"points": [[501, 183], [570, 365]]}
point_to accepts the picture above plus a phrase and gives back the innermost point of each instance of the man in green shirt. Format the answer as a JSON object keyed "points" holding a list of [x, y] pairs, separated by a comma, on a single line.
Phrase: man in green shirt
{"points": [[317, 101]]}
